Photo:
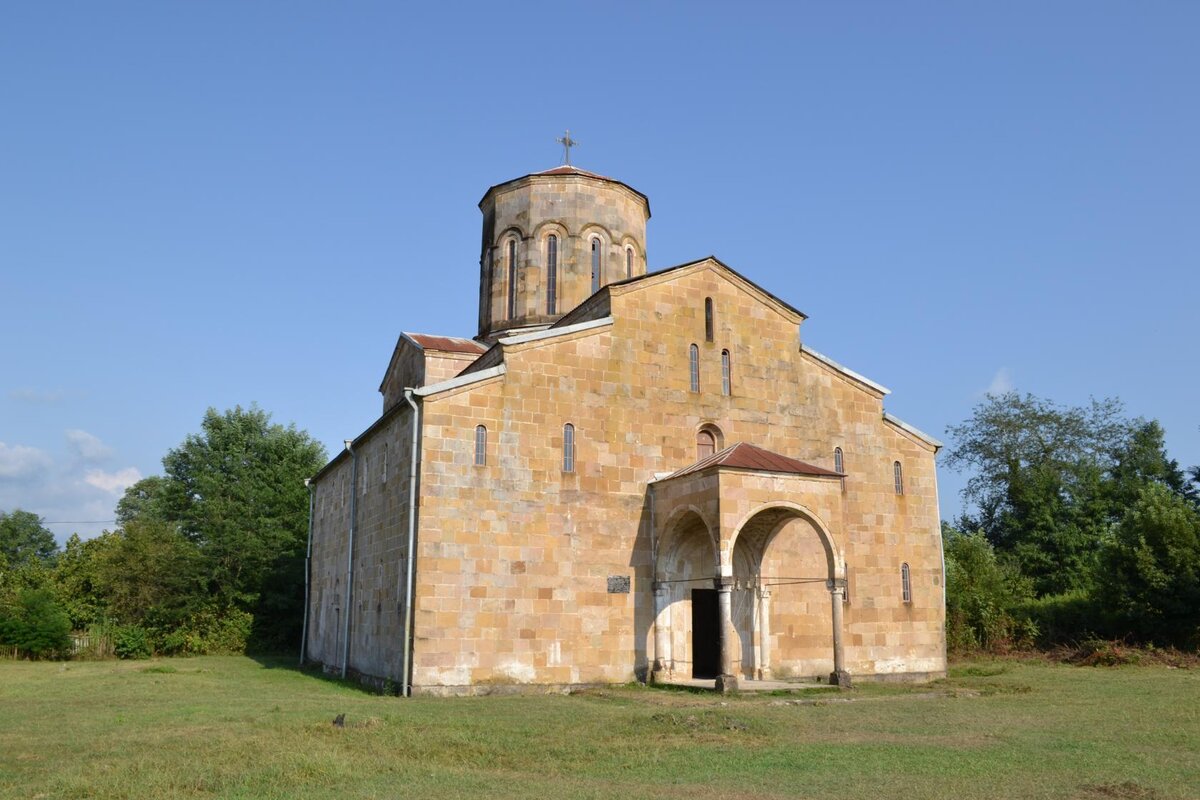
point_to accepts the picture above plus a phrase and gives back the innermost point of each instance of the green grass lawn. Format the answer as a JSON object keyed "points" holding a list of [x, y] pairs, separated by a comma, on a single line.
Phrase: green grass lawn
{"points": [[235, 727]]}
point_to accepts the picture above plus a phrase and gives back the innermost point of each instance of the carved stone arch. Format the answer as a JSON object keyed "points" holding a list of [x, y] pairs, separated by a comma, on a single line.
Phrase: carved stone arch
{"points": [[668, 537], [548, 227], [834, 557]]}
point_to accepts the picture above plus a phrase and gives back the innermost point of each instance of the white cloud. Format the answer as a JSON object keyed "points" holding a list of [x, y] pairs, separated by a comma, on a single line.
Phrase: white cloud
{"points": [[112, 482], [1001, 382], [87, 446], [30, 395], [18, 461]]}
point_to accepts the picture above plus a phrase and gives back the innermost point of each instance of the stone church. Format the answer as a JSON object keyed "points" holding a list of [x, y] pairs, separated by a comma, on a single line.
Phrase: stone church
{"points": [[625, 474]]}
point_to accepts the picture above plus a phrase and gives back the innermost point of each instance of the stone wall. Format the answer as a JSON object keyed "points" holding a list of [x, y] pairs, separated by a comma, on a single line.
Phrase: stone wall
{"points": [[515, 556]]}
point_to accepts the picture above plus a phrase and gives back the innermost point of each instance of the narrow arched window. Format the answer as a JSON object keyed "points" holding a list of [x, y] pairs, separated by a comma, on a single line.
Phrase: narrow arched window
{"points": [[595, 265], [512, 278], [726, 374], [480, 446], [905, 583], [706, 445], [837, 460], [708, 319], [898, 474], [568, 448], [551, 274], [694, 366], [628, 262]]}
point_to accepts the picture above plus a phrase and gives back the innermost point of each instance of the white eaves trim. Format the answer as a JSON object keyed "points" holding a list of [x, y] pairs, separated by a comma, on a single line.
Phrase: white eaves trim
{"points": [[904, 426], [550, 333], [461, 380], [824, 359]]}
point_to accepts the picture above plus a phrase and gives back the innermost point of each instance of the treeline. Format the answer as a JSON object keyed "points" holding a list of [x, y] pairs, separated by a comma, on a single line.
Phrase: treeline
{"points": [[1083, 528], [207, 558]]}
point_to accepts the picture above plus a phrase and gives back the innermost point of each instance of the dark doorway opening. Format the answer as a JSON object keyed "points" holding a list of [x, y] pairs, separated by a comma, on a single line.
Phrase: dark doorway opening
{"points": [[706, 634]]}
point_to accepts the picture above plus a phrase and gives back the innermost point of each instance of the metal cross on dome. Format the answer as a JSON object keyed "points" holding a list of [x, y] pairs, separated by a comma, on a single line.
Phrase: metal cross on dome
{"points": [[567, 142]]}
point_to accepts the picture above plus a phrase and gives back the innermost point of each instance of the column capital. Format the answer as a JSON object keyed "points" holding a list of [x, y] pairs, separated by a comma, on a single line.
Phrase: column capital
{"points": [[723, 583], [836, 586]]}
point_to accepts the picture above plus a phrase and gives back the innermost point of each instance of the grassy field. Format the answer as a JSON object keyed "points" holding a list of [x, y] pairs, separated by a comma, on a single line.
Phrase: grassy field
{"points": [[239, 728]]}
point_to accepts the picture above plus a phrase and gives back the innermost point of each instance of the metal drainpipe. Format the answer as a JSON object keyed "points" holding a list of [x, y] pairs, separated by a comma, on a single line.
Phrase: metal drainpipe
{"points": [[350, 552], [312, 501], [406, 676]]}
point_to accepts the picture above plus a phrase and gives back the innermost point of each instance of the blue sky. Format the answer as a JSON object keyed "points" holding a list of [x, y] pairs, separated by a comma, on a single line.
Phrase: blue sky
{"points": [[222, 203]]}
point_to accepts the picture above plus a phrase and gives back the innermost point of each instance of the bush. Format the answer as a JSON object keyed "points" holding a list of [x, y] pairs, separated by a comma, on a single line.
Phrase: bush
{"points": [[210, 632], [981, 593], [1063, 619], [131, 641], [36, 625]]}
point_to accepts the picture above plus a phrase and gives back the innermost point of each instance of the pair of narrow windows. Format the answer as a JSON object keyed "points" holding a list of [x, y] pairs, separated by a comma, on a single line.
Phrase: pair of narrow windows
{"points": [[694, 370], [568, 451]]}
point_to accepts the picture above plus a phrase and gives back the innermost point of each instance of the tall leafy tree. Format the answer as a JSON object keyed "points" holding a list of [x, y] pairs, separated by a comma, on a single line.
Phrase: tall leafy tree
{"points": [[23, 538], [1038, 471], [236, 490], [1150, 573]]}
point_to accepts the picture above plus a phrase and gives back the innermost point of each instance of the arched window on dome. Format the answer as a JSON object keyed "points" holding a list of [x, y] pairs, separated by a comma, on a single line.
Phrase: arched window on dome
{"points": [[694, 367], [726, 374], [706, 444], [709, 323], [628, 262], [551, 274], [596, 266], [512, 278]]}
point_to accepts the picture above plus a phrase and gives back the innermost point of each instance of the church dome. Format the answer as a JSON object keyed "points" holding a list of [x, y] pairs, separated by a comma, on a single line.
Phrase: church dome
{"points": [[550, 240]]}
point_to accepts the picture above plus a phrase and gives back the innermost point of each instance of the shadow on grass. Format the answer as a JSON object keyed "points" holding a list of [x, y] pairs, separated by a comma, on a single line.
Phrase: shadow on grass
{"points": [[289, 663]]}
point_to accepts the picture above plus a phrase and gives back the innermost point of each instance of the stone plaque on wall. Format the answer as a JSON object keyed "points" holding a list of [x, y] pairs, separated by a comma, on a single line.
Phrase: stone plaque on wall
{"points": [[618, 584]]}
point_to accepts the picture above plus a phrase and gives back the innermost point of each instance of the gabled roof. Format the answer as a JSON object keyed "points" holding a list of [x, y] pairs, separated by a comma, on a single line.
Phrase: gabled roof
{"points": [[568, 169], [581, 310], [426, 341], [448, 344], [744, 455]]}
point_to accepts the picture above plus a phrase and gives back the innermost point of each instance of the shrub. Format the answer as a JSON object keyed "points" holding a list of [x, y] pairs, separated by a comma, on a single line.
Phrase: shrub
{"points": [[36, 625], [131, 641], [981, 593], [209, 632], [1064, 618]]}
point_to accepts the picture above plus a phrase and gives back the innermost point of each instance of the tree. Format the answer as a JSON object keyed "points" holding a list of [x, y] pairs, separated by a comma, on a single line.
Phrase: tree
{"points": [[1150, 568], [237, 492], [35, 624], [1039, 472], [143, 499], [149, 573], [1143, 459], [23, 538]]}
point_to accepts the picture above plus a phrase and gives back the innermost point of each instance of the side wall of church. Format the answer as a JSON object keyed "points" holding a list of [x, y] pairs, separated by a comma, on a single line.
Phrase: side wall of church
{"points": [[515, 556], [380, 498]]}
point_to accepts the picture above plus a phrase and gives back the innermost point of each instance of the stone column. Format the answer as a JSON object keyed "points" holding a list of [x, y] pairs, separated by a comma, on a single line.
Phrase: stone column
{"points": [[661, 670], [839, 676], [726, 681], [764, 634]]}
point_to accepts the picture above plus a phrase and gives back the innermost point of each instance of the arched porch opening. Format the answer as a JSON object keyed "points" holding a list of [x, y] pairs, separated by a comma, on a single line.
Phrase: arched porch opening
{"points": [[685, 565], [786, 597]]}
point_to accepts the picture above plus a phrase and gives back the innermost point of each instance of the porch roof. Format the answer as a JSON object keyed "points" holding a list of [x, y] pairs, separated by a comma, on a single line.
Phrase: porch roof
{"points": [[743, 455]]}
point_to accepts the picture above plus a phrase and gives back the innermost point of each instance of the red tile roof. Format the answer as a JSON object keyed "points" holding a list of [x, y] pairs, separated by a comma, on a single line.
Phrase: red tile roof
{"points": [[747, 456], [449, 344]]}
